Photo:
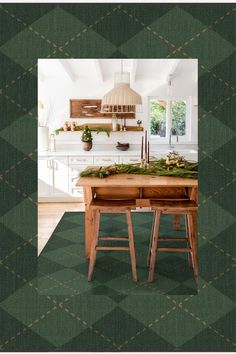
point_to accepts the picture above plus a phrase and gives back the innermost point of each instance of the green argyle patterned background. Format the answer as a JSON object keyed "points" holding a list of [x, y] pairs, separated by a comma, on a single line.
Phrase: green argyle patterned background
{"points": [[49, 311]]}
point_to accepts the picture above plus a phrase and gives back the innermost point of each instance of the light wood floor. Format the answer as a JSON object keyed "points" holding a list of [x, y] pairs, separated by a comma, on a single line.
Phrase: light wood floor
{"points": [[49, 215]]}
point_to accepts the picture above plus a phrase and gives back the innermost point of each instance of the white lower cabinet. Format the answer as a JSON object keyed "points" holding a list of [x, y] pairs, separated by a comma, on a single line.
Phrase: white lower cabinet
{"points": [[76, 165], [57, 176], [76, 192], [45, 178], [60, 177], [52, 177]]}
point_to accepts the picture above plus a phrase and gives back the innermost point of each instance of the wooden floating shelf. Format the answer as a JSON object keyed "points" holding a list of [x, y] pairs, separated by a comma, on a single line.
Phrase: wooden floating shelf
{"points": [[129, 128], [108, 127]]}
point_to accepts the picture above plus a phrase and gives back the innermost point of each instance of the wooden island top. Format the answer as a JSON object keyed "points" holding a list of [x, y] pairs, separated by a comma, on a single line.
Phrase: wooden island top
{"points": [[136, 180]]}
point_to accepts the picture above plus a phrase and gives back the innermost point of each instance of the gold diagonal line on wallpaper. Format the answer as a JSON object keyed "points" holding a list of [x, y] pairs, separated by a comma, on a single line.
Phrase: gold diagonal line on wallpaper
{"points": [[60, 305], [223, 167], [12, 167], [58, 47], [217, 161], [227, 254], [204, 30], [17, 249], [221, 189], [65, 300], [58, 284], [179, 305], [18, 190], [146, 327], [43, 316], [162, 38], [29, 27], [217, 106], [87, 28], [146, 27]]}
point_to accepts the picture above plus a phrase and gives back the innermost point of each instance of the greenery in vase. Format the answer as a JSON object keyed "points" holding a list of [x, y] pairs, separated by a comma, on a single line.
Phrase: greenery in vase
{"points": [[139, 122], [86, 135]]}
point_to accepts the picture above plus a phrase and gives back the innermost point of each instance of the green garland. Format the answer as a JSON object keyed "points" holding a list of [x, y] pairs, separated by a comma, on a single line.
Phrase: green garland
{"points": [[80, 128], [156, 168]]}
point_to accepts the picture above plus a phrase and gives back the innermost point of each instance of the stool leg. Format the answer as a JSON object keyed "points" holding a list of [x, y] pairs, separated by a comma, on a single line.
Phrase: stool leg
{"points": [[131, 245], [150, 242], [189, 240], [93, 251], [154, 246], [176, 222], [193, 227]]}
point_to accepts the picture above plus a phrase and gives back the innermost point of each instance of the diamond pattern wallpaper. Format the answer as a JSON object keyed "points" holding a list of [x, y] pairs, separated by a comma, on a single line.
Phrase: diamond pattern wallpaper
{"points": [[47, 303]]}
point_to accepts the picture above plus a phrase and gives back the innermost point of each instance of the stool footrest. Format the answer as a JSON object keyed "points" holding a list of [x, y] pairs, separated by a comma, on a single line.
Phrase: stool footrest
{"points": [[172, 249], [113, 238], [174, 239], [111, 248]]}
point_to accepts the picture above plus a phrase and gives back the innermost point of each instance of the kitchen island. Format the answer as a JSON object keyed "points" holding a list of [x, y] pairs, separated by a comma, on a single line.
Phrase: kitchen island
{"points": [[143, 188]]}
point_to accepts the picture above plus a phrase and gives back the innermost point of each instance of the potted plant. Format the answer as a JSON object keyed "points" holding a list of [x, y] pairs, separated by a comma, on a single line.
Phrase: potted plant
{"points": [[139, 122], [87, 139]]}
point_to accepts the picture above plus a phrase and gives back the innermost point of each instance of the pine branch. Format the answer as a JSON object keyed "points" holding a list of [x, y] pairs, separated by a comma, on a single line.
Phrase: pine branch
{"points": [[156, 168]]}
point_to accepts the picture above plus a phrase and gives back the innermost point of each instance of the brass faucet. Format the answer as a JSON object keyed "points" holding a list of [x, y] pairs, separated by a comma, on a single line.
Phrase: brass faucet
{"points": [[173, 131]]}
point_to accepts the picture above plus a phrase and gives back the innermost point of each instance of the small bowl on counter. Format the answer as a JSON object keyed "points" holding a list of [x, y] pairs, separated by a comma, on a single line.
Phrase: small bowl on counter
{"points": [[122, 146]]}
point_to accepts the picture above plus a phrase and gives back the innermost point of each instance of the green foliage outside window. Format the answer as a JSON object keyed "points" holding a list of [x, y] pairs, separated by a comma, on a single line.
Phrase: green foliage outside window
{"points": [[179, 116], [158, 117]]}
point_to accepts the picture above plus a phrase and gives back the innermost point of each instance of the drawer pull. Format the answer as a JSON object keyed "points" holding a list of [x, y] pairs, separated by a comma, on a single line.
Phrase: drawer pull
{"points": [[77, 192], [107, 160]]}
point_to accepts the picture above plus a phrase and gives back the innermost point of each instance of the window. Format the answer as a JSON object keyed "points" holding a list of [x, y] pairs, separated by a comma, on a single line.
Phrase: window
{"points": [[158, 117], [168, 114], [178, 115]]}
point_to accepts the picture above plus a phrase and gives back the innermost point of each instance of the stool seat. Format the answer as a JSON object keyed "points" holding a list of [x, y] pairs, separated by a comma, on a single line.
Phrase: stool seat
{"points": [[121, 205], [178, 206]]}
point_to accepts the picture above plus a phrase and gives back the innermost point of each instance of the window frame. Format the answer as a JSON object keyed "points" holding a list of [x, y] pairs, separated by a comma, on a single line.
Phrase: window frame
{"points": [[182, 138]]}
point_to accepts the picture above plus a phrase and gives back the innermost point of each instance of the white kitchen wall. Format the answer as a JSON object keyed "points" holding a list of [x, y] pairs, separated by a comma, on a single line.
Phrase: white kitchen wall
{"points": [[56, 92]]}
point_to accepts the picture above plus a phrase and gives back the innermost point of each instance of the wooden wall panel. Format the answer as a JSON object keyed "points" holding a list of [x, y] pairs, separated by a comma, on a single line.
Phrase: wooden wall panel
{"points": [[91, 108]]}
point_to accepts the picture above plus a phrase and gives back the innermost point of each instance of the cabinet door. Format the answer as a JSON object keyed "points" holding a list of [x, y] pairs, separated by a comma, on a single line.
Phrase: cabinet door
{"points": [[105, 160], [74, 171], [81, 160], [60, 176], [45, 177], [130, 159]]}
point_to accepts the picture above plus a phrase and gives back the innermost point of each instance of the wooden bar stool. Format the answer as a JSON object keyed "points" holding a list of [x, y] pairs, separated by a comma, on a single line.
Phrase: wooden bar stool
{"points": [[99, 206], [184, 207]]}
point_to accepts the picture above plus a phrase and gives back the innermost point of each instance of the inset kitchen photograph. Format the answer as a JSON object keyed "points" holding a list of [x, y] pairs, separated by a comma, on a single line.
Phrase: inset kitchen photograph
{"points": [[118, 175]]}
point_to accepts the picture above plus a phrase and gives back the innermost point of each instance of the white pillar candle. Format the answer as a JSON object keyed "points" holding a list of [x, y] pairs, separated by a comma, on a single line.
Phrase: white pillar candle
{"points": [[43, 133]]}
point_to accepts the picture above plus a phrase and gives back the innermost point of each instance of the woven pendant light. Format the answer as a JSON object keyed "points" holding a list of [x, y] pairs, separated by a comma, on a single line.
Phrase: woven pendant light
{"points": [[122, 98]]}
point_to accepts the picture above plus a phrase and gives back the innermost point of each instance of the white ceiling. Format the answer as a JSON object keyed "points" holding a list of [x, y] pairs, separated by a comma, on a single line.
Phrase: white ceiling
{"points": [[103, 69]]}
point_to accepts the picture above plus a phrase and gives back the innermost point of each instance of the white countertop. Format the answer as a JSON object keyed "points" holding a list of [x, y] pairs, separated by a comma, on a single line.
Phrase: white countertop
{"points": [[89, 153], [110, 150]]}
